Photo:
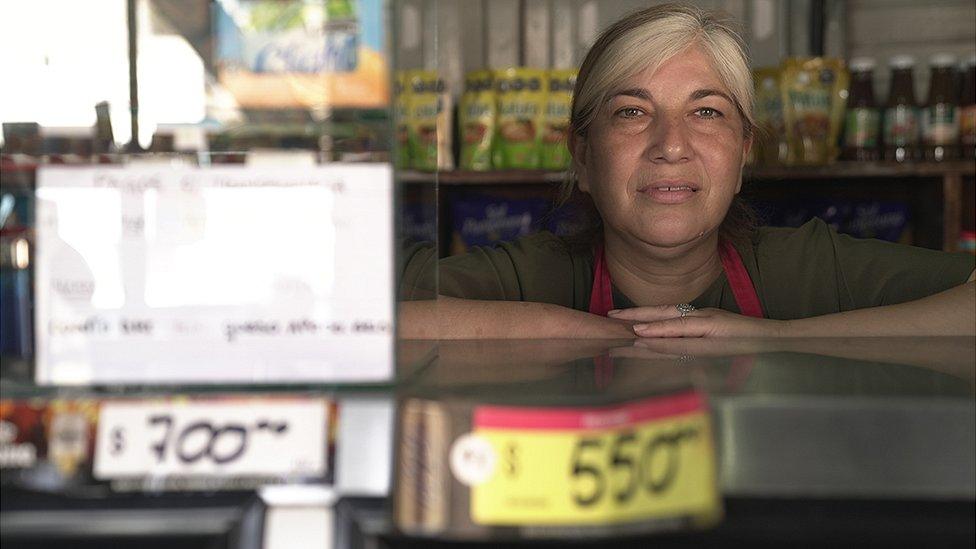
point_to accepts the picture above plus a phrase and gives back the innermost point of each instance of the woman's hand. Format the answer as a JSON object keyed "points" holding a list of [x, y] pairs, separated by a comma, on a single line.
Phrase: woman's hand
{"points": [[666, 321]]}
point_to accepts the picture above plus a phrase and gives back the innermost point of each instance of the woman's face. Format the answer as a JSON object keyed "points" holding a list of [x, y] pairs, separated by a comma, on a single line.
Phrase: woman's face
{"points": [[663, 156]]}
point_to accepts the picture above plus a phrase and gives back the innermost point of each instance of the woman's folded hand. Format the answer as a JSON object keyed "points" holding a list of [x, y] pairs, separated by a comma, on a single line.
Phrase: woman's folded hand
{"points": [[667, 321]]}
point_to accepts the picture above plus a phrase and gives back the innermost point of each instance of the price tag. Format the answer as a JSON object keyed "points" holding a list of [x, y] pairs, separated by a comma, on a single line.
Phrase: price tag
{"points": [[650, 459], [212, 438]]}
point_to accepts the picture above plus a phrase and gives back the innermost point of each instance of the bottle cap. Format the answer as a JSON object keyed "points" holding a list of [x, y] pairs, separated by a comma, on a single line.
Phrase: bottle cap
{"points": [[862, 64], [942, 60], [901, 62]]}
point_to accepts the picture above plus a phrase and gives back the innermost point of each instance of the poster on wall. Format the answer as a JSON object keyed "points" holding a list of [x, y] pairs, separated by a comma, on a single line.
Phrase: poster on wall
{"points": [[156, 274], [302, 54]]}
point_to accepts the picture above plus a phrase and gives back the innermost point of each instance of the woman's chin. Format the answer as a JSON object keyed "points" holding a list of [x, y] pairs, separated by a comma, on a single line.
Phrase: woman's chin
{"points": [[674, 236]]}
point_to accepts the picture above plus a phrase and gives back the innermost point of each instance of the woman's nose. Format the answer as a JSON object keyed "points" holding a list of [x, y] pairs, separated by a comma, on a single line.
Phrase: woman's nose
{"points": [[669, 141]]}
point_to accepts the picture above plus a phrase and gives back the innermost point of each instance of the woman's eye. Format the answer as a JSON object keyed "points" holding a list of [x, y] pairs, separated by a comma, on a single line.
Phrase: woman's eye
{"points": [[629, 112], [708, 112]]}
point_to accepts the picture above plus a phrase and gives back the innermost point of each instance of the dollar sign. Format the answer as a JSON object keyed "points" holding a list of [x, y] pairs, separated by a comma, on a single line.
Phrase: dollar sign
{"points": [[118, 441], [511, 459]]}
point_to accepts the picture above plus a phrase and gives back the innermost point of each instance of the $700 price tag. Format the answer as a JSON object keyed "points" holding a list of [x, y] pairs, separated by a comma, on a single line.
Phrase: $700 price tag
{"points": [[218, 438], [642, 460]]}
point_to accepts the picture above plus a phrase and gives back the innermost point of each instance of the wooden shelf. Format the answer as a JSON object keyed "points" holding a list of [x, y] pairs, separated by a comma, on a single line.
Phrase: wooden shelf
{"points": [[953, 177]]}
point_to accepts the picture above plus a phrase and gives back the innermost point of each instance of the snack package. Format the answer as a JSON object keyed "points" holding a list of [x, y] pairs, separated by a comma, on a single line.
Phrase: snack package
{"points": [[483, 220], [429, 121], [555, 124], [814, 92], [521, 104], [770, 145], [476, 124], [401, 114]]}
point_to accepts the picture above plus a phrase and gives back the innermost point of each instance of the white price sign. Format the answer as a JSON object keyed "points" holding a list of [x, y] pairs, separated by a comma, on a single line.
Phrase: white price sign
{"points": [[223, 274], [213, 438]]}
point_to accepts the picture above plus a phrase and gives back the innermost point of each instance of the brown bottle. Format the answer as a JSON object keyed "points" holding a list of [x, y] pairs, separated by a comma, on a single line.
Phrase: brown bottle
{"points": [[967, 119], [900, 127], [862, 119], [940, 115]]}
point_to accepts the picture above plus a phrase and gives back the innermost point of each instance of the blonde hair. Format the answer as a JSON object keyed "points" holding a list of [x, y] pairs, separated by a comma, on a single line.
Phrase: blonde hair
{"points": [[648, 38]]}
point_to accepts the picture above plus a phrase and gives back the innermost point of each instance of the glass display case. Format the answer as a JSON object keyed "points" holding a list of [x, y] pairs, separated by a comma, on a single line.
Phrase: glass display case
{"points": [[199, 337]]}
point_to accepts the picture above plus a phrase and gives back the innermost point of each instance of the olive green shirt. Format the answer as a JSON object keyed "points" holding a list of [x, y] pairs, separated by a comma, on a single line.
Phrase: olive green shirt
{"points": [[797, 273]]}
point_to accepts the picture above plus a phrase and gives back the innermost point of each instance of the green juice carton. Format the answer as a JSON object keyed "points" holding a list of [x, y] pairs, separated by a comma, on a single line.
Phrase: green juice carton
{"points": [[555, 126], [521, 106], [476, 121], [401, 116], [429, 121]]}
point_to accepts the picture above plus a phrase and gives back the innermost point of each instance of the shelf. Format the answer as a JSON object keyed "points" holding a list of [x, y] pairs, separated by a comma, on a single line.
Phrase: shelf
{"points": [[838, 170]]}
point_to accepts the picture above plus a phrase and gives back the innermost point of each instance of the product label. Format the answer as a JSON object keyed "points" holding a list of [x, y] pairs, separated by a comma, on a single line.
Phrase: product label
{"points": [[521, 105], [967, 125], [861, 127], [477, 122], [428, 121], [901, 126], [555, 154], [645, 460], [940, 124]]}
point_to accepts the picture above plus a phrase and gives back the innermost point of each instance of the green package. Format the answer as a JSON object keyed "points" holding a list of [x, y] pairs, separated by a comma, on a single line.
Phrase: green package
{"points": [[401, 114], [429, 121], [555, 125], [476, 124], [521, 104]]}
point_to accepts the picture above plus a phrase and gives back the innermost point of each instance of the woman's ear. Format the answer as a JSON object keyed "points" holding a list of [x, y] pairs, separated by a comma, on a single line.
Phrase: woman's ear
{"points": [[577, 149]]}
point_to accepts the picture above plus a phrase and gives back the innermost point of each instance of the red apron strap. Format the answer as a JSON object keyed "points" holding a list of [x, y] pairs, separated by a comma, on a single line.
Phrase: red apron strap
{"points": [[601, 295], [742, 287]]}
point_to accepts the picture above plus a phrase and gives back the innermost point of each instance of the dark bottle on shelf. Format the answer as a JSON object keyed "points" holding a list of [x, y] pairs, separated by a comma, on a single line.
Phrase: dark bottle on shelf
{"points": [[940, 115], [862, 119], [967, 118], [900, 127]]}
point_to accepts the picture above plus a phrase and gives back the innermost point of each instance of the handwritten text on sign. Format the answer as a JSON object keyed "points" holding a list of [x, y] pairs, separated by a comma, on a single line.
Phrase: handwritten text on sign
{"points": [[215, 438]]}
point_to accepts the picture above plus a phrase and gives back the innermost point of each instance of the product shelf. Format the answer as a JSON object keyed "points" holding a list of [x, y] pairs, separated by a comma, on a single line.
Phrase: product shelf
{"points": [[951, 181]]}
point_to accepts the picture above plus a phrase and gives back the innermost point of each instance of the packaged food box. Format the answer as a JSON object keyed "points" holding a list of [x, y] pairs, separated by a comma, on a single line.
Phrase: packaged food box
{"points": [[814, 92], [429, 121], [401, 114], [883, 220], [476, 124], [482, 220], [521, 105], [555, 126]]}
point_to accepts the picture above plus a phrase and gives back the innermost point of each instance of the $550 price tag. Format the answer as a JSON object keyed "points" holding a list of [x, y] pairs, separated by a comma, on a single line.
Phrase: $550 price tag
{"points": [[214, 438], [647, 459]]}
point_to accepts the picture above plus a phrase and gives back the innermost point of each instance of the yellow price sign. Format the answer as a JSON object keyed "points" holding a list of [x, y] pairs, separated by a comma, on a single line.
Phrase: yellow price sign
{"points": [[648, 459]]}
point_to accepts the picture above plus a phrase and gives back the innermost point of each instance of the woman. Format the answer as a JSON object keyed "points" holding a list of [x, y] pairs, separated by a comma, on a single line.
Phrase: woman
{"points": [[661, 128]]}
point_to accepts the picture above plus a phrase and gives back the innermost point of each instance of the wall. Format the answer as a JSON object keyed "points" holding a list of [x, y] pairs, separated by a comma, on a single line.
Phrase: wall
{"points": [[461, 35]]}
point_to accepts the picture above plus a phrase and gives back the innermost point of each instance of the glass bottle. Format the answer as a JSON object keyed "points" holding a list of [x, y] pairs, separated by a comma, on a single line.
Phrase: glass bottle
{"points": [[900, 134], [940, 115], [967, 119], [862, 119]]}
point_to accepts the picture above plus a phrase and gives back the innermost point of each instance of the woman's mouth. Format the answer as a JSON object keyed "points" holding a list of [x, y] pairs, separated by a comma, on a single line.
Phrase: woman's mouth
{"points": [[669, 192]]}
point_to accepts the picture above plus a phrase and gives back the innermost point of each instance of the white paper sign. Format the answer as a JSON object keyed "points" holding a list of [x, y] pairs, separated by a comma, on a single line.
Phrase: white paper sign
{"points": [[154, 274], [216, 439]]}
